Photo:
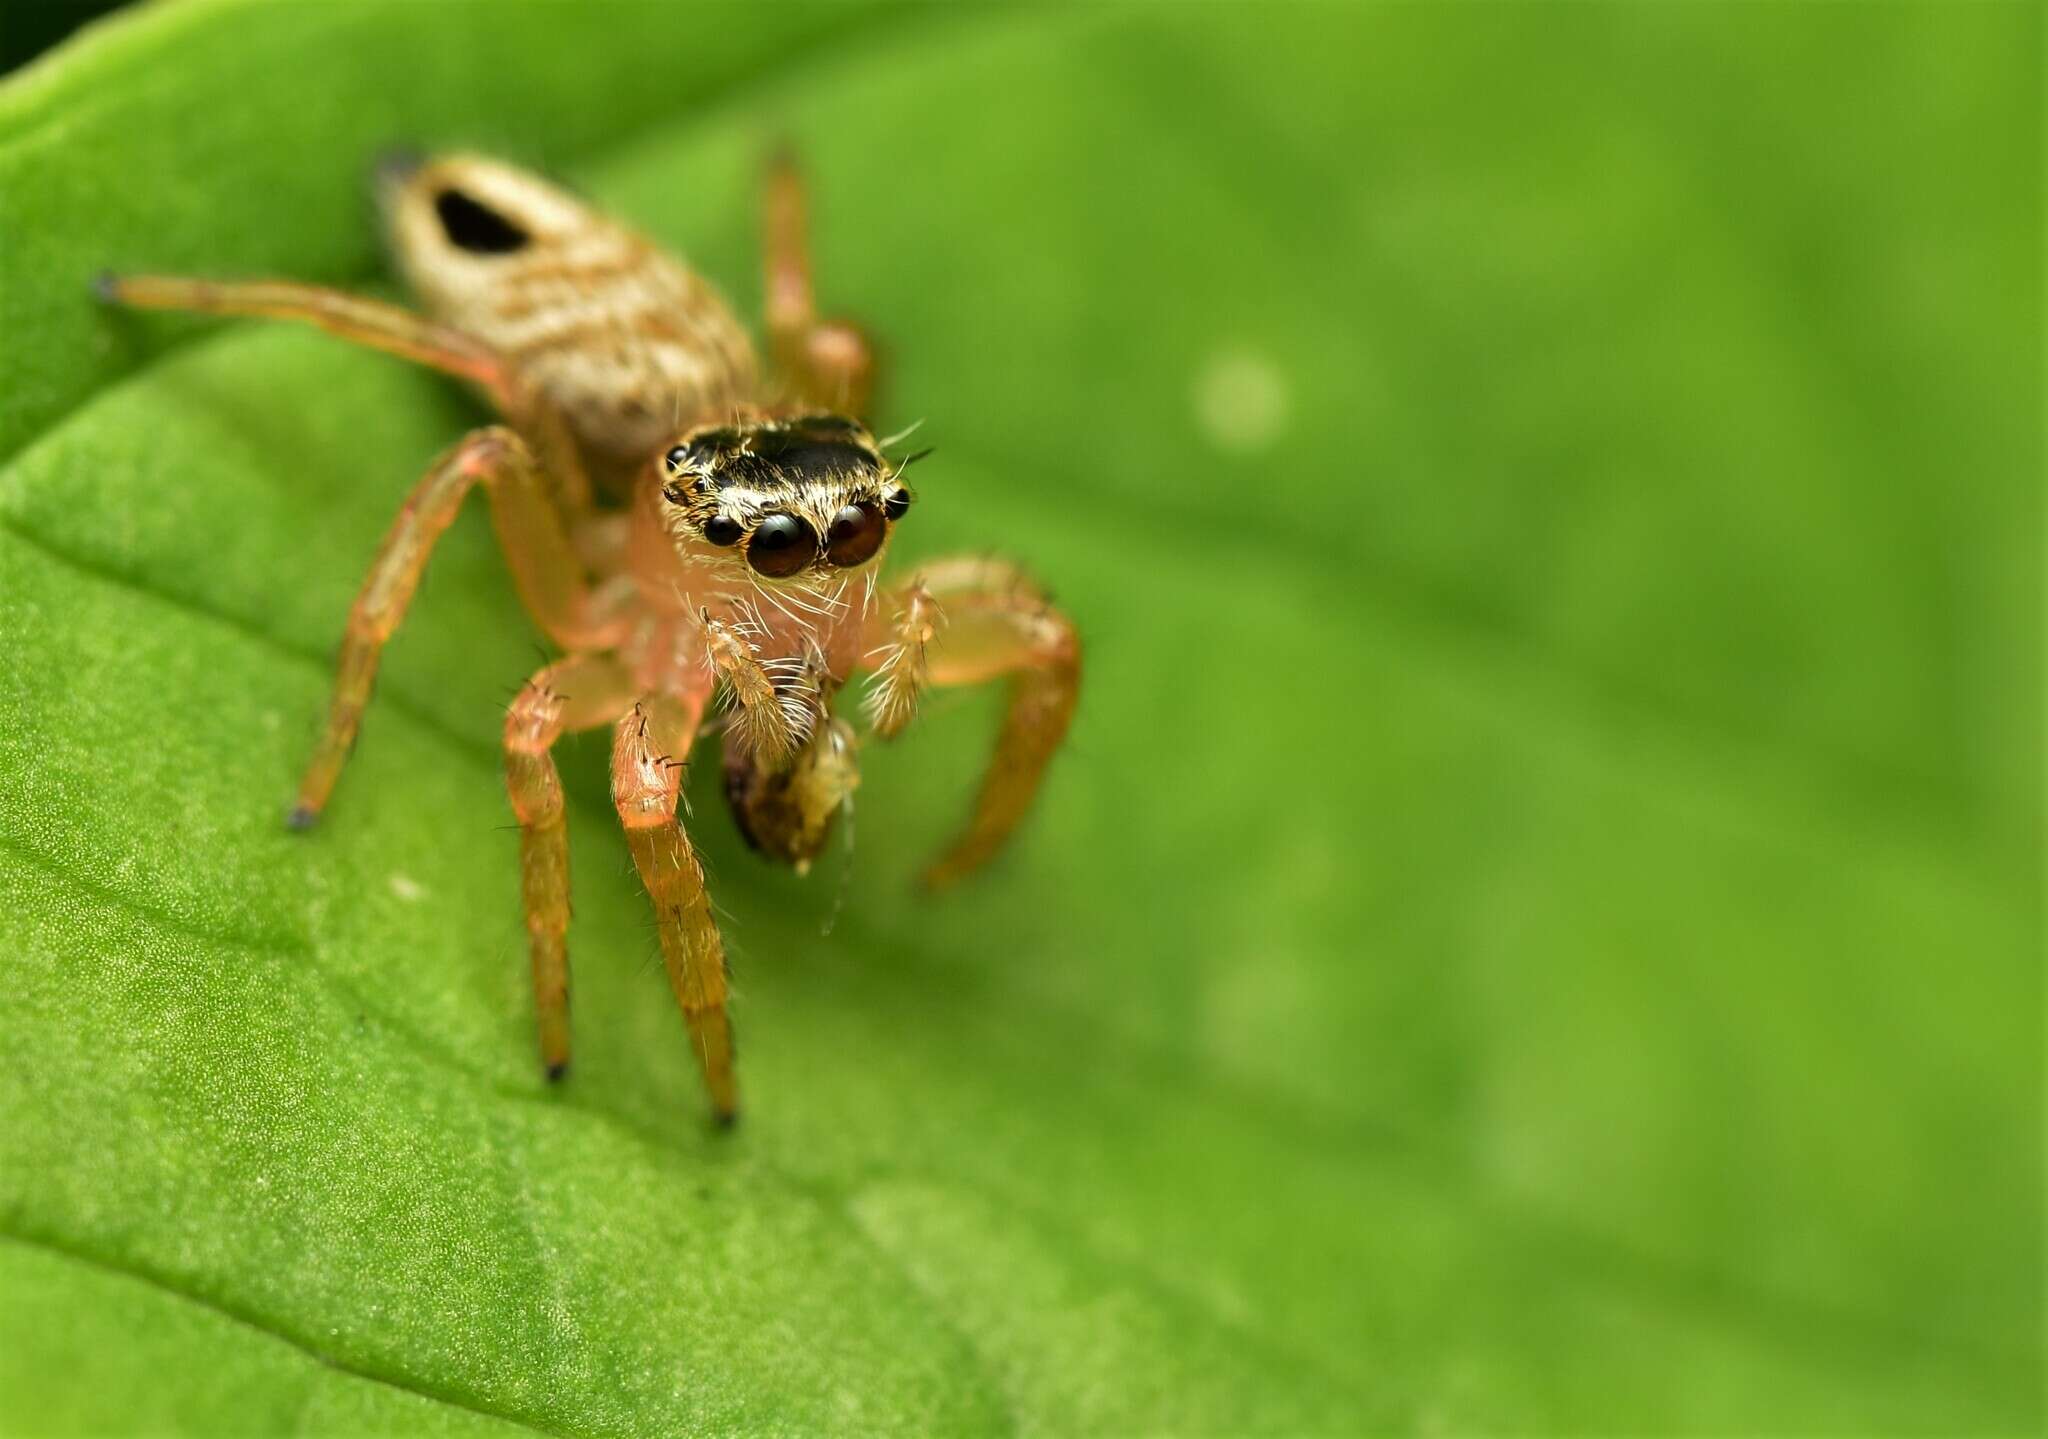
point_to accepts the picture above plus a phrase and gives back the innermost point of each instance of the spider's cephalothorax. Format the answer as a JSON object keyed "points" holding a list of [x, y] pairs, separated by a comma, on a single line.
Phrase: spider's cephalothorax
{"points": [[682, 531], [807, 494]]}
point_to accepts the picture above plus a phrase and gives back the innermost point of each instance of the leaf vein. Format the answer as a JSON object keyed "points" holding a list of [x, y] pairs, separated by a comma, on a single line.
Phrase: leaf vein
{"points": [[164, 1284]]}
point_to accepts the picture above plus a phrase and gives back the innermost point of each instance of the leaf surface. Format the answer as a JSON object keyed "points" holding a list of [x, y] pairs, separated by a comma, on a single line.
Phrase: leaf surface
{"points": [[1537, 929]]}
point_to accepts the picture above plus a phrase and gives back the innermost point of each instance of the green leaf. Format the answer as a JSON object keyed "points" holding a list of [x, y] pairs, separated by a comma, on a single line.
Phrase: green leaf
{"points": [[1538, 926]]}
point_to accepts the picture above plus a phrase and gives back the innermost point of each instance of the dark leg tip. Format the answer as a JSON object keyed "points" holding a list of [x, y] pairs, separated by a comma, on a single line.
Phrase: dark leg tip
{"points": [[556, 1070], [723, 1120], [301, 818], [106, 287]]}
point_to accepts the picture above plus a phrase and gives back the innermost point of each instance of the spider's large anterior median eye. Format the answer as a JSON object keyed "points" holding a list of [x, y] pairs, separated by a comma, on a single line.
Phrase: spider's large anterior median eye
{"points": [[475, 227], [782, 545], [854, 535]]}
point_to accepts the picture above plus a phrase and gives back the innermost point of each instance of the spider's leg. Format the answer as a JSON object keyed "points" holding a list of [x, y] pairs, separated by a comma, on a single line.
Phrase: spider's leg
{"points": [[648, 748], [577, 693], [828, 363], [997, 625], [543, 566], [366, 322], [379, 326]]}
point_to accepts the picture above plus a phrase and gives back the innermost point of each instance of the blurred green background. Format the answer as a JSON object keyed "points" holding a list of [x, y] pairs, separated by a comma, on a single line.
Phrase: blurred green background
{"points": [[1538, 928]]}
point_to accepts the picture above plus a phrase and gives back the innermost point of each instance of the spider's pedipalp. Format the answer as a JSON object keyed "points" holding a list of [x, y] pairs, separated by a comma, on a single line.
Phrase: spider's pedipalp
{"points": [[902, 666], [759, 717]]}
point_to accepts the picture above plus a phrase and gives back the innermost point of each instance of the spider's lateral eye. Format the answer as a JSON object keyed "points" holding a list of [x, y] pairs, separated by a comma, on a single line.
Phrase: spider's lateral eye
{"points": [[896, 503], [854, 535], [675, 493], [676, 458], [722, 530], [473, 226], [782, 545]]}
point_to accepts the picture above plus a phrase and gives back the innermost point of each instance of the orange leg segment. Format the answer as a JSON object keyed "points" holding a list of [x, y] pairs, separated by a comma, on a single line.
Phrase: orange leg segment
{"points": [[578, 693], [378, 326], [542, 563], [997, 624], [648, 748], [366, 322], [828, 363]]}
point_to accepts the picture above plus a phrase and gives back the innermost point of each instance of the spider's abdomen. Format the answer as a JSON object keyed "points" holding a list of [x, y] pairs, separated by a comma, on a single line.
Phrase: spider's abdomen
{"points": [[626, 340]]}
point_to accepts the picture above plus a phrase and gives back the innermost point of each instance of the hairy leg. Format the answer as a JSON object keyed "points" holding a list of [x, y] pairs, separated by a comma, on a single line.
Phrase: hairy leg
{"points": [[581, 692], [379, 326], [828, 363], [997, 624], [649, 745], [543, 565]]}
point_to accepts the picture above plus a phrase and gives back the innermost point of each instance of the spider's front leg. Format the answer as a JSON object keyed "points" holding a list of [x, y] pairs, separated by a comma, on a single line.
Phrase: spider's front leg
{"points": [[830, 363], [649, 745], [982, 620], [578, 693], [543, 565]]}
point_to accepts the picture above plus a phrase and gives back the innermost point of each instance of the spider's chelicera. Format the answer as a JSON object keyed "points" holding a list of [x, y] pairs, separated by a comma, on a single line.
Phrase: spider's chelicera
{"points": [[682, 529]]}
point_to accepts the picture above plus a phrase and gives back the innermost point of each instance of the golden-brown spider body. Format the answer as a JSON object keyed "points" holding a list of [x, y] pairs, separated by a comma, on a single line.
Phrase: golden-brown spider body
{"points": [[680, 530]]}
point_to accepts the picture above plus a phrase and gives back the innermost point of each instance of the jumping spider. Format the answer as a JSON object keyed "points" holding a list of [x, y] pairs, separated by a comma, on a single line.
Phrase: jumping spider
{"points": [[678, 528]]}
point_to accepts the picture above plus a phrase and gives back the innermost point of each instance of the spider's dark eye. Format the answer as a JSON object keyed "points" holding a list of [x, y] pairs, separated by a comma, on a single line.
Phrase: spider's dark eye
{"points": [[782, 545], [854, 535], [722, 530], [896, 504], [677, 457], [475, 227]]}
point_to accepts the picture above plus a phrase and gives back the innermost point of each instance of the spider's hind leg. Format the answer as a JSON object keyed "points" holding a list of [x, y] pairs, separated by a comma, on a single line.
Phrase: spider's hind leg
{"points": [[828, 363]]}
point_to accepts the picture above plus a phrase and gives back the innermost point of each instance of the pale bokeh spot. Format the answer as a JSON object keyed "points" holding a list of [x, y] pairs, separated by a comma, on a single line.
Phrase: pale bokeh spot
{"points": [[1241, 400], [407, 888]]}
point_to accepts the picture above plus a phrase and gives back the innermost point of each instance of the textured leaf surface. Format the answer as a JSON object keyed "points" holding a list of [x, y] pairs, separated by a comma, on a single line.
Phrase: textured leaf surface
{"points": [[1537, 928]]}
